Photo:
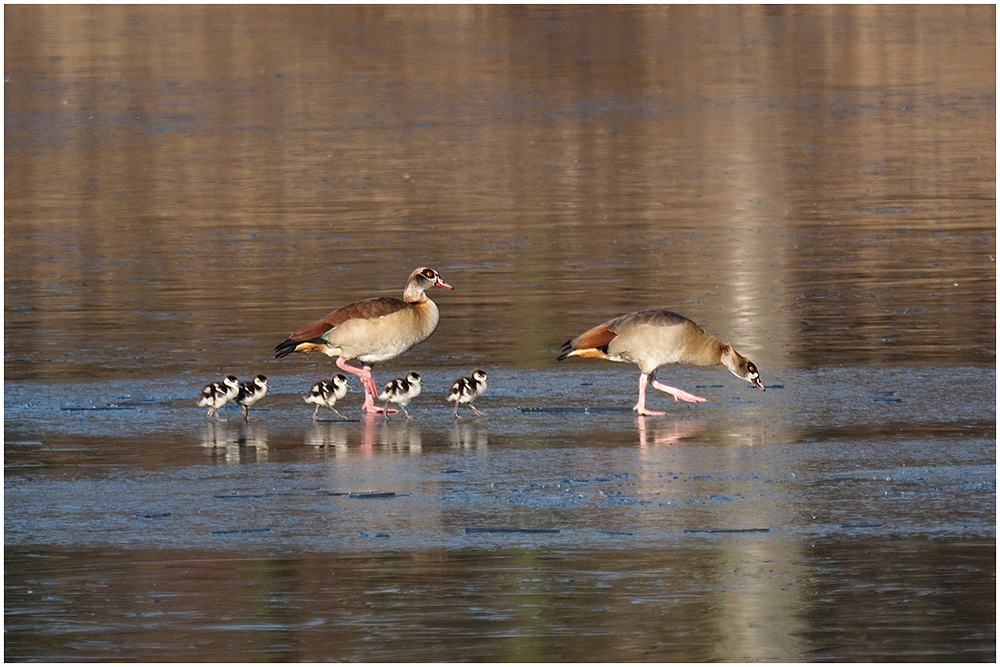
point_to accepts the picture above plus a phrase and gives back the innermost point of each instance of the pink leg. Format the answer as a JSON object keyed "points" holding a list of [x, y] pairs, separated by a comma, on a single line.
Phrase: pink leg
{"points": [[678, 394], [367, 381], [640, 407]]}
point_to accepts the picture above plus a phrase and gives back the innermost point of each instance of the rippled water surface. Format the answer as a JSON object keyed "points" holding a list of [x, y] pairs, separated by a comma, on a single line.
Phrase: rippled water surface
{"points": [[184, 186]]}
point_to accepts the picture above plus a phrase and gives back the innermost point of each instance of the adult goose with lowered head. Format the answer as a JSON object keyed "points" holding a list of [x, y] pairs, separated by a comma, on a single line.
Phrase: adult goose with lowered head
{"points": [[653, 338]]}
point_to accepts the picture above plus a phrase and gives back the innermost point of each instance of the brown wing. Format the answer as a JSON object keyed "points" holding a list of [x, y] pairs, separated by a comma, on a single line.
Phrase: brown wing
{"points": [[597, 338], [369, 309]]}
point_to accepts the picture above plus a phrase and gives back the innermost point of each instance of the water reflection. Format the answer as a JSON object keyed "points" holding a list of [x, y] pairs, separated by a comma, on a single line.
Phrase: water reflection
{"points": [[236, 442], [399, 436], [329, 436], [683, 604], [668, 431], [469, 435], [376, 435], [791, 208], [762, 619]]}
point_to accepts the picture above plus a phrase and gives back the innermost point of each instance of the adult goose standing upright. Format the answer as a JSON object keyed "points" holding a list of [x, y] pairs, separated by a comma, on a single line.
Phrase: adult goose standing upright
{"points": [[653, 338], [372, 330]]}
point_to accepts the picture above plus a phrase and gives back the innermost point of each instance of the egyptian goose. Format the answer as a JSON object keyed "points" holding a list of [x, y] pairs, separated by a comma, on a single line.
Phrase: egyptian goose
{"points": [[326, 393], [372, 331], [465, 390], [217, 394], [401, 391], [250, 393], [652, 338]]}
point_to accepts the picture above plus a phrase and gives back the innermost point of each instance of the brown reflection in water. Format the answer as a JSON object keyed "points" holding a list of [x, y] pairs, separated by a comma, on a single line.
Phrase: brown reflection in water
{"points": [[711, 602], [184, 185], [760, 617]]}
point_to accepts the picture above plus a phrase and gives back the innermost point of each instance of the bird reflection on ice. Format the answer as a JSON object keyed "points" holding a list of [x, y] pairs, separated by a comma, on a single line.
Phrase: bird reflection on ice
{"points": [[468, 435], [377, 435], [399, 436], [328, 436], [236, 442], [668, 432]]}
